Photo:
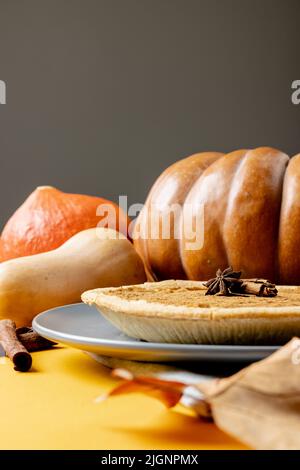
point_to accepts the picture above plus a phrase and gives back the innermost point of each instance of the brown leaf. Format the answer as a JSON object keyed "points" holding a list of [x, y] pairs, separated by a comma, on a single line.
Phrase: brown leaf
{"points": [[260, 405]]}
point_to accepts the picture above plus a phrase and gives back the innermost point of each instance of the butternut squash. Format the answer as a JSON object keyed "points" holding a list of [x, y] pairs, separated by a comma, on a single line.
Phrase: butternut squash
{"points": [[96, 257]]}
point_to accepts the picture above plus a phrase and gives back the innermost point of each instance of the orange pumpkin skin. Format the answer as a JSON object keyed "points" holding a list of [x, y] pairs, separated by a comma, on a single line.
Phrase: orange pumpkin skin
{"points": [[49, 217], [251, 201]]}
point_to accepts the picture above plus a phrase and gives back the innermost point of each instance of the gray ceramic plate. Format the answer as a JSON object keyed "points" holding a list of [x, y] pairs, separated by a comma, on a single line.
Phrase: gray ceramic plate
{"points": [[82, 327]]}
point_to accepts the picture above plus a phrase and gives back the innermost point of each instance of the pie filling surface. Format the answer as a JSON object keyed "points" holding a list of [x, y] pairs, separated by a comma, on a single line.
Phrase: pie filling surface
{"points": [[195, 297]]}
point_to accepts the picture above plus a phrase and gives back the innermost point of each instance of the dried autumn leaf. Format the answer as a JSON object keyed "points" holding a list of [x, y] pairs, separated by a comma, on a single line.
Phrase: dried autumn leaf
{"points": [[260, 405], [168, 392]]}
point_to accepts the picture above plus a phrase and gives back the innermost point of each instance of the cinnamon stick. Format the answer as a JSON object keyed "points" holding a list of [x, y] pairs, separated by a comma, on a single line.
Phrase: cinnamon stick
{"points": [[13, 348], [32, 340], [259, 287]]}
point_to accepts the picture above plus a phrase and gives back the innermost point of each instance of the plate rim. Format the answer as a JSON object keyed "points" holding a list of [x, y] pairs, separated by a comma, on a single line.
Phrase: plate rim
{"points": [[140, 345]]}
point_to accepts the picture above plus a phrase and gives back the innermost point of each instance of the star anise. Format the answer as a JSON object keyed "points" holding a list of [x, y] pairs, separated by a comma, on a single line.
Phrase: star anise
{"points": [[224, 283]]}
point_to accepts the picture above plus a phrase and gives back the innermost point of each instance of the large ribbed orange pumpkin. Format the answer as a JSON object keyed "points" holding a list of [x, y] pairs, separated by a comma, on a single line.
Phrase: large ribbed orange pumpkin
{"points": [[251, 201], [49, 217]]}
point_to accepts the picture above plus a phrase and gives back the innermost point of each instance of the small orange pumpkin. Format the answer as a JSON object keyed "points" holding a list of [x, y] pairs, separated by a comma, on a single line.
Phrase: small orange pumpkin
{"points": [[49, 217]]}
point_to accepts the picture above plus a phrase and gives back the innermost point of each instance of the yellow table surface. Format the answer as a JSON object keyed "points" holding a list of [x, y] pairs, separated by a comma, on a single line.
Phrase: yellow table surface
{"points": [[53, 407]]}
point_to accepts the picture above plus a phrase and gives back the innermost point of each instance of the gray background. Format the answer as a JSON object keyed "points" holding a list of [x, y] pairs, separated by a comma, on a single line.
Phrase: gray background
{"points": [[102, 95]]}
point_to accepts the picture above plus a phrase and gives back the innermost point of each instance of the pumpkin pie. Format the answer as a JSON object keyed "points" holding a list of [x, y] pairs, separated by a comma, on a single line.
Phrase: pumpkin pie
{"points": [[180, 312]]}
